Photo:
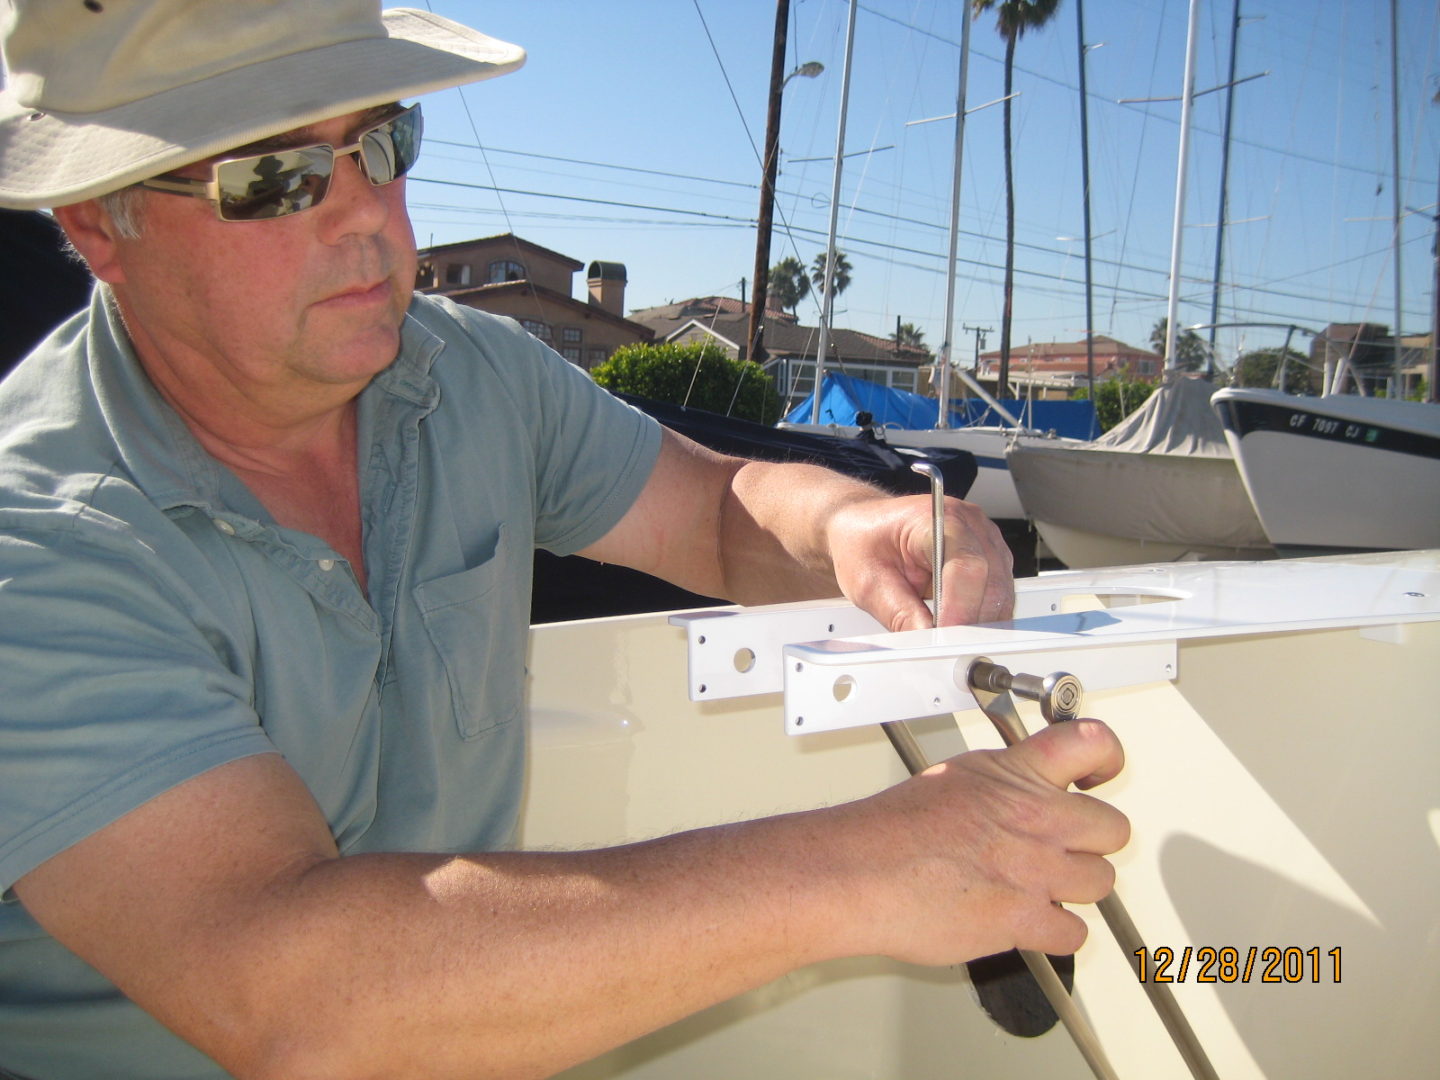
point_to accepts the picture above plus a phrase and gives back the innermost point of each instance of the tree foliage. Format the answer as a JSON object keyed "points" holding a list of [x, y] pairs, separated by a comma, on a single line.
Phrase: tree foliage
{"points": [[1261, 367], [909, 336], [789, 282], [1014, 17], [842, 273], [702, 376], [1115, 399], [1190, 348]]}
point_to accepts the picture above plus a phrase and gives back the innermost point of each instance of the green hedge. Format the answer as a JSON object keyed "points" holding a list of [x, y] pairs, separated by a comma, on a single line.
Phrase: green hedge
{"points": [[701, 376]]}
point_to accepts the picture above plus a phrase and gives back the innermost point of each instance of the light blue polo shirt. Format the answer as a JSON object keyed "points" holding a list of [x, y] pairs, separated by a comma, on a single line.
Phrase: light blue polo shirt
{"points": [[155, 622]]}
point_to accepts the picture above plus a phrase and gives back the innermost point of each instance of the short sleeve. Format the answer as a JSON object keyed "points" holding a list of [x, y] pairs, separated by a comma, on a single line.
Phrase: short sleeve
{"points": [[592, 453], [117, 687]]}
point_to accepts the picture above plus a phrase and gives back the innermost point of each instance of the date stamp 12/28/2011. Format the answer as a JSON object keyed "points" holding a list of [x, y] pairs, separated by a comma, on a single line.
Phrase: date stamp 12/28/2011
{"points": [[1229, 964]]}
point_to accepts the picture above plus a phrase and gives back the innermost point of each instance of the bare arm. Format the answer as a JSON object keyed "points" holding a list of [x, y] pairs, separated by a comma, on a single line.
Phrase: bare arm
{"points": [[756, 532], [222, 908]]}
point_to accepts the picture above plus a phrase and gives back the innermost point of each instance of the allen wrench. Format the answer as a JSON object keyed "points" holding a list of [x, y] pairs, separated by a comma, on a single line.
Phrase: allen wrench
{"points": [[910, 752]]}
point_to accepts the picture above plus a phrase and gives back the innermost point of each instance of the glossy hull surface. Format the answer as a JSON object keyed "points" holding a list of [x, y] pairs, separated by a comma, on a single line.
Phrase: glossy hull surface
{"points": [[1282, 793]]}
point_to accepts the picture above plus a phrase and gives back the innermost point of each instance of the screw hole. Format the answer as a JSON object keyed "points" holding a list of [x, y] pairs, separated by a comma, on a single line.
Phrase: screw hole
{"points": [[702, 688], [799, 721], [94, 5], [700, 640], [843, 688]]}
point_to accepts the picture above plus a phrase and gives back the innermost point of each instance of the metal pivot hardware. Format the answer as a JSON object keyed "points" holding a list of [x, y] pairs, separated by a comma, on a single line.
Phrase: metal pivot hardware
{"points": [[910, 752], [1000, 708], [1060, 695]]}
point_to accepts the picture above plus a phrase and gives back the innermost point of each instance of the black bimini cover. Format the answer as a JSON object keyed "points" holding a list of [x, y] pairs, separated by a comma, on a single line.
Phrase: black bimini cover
{"points": [[577, 588]]}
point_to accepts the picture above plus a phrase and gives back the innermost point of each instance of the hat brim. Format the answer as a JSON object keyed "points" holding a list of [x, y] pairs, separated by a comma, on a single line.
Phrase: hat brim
{"points": [[54, 159]]}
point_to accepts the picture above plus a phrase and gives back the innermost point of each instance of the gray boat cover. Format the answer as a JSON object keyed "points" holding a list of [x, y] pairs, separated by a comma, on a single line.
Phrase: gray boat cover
{"points": [[1164, 474], [1175, 419]]}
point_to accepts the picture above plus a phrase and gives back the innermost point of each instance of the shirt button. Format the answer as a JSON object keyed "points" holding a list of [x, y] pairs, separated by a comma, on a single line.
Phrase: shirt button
{"points": [[327, 565], [225, 527]]}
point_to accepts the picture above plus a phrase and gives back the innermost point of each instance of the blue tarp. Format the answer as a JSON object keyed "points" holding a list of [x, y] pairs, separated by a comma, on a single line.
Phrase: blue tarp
{"points": [[845, 395]]}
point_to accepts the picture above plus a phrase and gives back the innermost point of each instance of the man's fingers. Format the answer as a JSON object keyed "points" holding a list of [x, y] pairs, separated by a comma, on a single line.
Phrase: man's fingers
{"points": [[1052, 930], [1083, 879], [886, 592], [1083, 752], [977, 588], [977, 577]]}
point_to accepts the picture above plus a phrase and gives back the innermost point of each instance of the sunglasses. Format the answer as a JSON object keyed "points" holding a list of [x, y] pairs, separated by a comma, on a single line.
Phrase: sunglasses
{"points": [[283, 182]]}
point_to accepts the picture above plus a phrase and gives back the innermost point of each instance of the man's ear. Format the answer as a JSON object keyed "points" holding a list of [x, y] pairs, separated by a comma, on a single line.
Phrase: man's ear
{"points": [[94, 236]]}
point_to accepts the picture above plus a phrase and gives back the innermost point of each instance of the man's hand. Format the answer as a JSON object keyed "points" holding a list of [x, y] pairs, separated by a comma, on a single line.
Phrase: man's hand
{"points": [[756, 532], [882, 549], [972, 856]]}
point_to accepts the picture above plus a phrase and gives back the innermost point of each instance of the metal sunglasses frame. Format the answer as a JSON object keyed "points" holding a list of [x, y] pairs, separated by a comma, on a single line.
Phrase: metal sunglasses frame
{"points": [[211, 191]]}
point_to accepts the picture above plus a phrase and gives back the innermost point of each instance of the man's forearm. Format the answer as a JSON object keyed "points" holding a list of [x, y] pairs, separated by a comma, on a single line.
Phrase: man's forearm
{"points": [[774, 531], [504, 965], [222, 907]]}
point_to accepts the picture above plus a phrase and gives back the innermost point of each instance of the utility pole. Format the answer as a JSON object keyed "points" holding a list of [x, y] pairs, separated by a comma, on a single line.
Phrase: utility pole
{"points": [[979, 332], [754, 339]]}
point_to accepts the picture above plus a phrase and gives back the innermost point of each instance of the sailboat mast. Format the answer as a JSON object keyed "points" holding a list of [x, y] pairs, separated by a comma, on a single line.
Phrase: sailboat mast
{"points": [[1173, 305], [1224, 181], [827, 305], [1432, 393], [942, 412], [1085, 186], [1395, 179]]}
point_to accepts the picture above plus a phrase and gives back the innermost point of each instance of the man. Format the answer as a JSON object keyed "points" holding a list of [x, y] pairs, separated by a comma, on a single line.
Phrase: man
{"points": [[265, 523]]}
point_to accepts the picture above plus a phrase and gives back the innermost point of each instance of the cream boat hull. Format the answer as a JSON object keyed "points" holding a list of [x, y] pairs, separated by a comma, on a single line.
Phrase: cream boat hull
{"points": [[1283, 795]]}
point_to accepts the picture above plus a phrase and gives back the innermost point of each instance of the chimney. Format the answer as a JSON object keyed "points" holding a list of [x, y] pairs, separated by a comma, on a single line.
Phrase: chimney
{"points": [[607, 286]]}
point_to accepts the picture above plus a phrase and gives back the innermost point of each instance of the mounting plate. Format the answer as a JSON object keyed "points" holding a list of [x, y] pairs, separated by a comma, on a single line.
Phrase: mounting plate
{"points": [[1115, 627]]}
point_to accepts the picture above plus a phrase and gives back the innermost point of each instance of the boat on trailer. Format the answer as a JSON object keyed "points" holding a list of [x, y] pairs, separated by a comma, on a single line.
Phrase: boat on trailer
{"points": [[1280, 727], [1162, 485], [1339, 472]]}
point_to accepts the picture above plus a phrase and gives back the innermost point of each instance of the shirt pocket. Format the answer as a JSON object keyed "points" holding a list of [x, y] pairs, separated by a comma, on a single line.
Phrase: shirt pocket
{"points": [[476, 627]]}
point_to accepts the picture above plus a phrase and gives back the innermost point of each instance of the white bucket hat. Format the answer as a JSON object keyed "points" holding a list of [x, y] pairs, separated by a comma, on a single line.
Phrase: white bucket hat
{"points": [[102, 93]]}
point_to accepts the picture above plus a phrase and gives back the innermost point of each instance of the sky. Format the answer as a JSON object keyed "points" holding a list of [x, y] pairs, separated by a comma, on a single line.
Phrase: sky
{"points": [[633, 135]]}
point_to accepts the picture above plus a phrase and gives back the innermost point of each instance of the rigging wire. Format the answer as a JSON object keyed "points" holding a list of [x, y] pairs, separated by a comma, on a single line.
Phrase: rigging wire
{"points": [[711, 217]]}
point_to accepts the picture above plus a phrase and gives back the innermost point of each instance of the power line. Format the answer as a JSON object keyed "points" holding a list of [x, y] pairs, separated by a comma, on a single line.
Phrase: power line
{"points": [[749, 222]]}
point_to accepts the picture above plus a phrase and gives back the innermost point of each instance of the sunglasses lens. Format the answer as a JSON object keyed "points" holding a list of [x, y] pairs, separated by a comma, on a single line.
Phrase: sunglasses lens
{"points": [[275, 184], [390, 149]]}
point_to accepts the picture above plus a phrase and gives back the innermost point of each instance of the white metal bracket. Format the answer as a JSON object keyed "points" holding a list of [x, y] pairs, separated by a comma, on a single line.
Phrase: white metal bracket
{"points": [[1111, 628]]}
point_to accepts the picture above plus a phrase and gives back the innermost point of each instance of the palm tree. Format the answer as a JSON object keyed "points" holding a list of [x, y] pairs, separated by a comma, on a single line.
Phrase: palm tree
{"points": [[908, 336], [1013, 18], [1189, 346], [842, 273], [789, 282]]}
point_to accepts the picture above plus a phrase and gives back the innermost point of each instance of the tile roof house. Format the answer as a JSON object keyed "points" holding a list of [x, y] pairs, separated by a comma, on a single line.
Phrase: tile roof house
{"points": [[1062, 365], [790, 345], [508, 275]]}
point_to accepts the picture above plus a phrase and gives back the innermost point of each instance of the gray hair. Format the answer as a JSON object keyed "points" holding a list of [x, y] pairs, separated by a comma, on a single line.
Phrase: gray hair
{"points": [[124, 207]]}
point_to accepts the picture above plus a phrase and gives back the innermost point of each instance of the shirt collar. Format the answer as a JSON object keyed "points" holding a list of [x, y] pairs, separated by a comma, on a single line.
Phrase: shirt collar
{"points": [[159, 451]]}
